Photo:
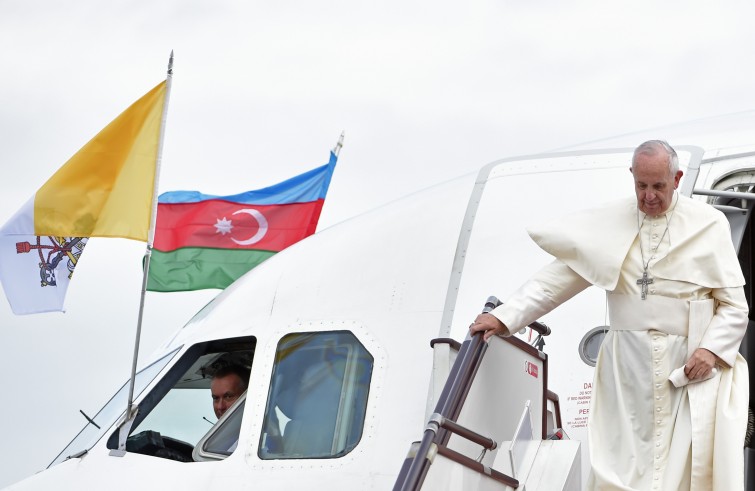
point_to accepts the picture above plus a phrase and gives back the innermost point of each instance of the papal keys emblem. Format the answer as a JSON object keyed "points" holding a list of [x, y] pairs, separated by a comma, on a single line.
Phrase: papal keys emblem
{"points": [[56, 249]]}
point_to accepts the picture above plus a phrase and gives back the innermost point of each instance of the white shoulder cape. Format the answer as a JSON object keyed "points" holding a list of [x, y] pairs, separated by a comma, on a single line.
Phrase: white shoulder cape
{"points": [[595, 242]]}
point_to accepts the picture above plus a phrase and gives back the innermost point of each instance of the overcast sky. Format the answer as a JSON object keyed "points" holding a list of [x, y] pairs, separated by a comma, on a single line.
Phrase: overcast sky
{"points": [[425, 91]]}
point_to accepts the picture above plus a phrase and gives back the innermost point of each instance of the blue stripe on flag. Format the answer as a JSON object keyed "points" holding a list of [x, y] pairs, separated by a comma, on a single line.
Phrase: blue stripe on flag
{"points": [[306, 187]]}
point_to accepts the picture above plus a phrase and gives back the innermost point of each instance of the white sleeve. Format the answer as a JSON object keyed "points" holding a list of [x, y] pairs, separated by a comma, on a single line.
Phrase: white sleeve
{"points": [[547, 289], [729, 323]]}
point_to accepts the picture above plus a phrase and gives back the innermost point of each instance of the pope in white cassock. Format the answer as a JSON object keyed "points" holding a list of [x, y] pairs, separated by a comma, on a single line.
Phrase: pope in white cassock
{"points": [[669, 408]]}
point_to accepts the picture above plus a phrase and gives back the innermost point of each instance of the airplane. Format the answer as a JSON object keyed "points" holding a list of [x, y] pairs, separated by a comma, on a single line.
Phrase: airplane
{"points": [[363, 372]]}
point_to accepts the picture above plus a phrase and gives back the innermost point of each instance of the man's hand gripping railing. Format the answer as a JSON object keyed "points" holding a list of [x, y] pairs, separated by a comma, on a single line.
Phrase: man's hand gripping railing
{"points": [[541, 329]]}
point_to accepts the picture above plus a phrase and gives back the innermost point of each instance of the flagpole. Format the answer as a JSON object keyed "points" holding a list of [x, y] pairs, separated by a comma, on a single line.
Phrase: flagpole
{"points": [[337, 149], [130, 413]]}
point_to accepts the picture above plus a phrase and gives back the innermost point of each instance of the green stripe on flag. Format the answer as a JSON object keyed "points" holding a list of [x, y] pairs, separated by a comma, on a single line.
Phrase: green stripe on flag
{"points": [[195, 268]]}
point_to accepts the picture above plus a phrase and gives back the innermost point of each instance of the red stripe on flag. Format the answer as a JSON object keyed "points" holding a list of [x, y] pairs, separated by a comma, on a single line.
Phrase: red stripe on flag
{"points": [[228, 225]]}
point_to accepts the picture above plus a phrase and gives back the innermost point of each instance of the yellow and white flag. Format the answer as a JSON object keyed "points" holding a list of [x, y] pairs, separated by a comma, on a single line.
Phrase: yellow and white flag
{"points": [[105, 190]]}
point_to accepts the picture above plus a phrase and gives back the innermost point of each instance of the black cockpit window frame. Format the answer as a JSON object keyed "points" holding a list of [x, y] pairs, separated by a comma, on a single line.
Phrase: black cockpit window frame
{"points": [[174, 377]]}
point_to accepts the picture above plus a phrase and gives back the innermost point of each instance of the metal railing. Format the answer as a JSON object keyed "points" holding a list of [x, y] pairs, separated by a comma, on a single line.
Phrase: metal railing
{"points": [[442, 423]]}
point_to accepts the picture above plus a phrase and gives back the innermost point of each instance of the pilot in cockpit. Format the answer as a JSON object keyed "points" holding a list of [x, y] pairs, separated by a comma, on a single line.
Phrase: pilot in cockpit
{"points": [[228, 383]]}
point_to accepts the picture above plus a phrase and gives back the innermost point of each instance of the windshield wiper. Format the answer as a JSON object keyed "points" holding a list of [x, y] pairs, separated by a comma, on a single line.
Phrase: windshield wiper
{"points": [[90, 419]]}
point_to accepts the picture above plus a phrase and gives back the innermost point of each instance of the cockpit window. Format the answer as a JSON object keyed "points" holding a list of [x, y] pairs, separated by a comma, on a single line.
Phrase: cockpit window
{"points": [[318, 396], [184, 406], [222, 440], [116, 406]]}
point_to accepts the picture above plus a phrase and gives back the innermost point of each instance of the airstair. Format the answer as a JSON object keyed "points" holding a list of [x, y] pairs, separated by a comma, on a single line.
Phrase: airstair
{"points": [[496, 426]]}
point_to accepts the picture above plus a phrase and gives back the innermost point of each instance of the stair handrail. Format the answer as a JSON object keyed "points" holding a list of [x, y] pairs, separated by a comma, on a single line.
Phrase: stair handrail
{"points": [[447, 410]]}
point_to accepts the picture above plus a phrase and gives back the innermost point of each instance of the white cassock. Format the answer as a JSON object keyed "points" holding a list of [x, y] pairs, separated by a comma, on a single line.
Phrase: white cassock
{"points": [[645, 433]]}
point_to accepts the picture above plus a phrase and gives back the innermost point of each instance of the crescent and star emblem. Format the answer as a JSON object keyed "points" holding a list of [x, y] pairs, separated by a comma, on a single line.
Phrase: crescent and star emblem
{"points": [[225, 226]]}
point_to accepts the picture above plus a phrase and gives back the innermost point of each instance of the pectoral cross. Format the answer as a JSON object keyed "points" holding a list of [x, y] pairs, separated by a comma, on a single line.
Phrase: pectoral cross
{"points": [[644, 282]]}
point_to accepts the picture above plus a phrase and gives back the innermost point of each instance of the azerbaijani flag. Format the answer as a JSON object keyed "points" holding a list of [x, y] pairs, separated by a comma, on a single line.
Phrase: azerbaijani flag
{"points": [[105, 190], [205, 241]]}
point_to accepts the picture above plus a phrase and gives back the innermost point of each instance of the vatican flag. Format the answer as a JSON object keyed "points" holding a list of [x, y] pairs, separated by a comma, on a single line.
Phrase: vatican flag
{"points": [[105, 190]]}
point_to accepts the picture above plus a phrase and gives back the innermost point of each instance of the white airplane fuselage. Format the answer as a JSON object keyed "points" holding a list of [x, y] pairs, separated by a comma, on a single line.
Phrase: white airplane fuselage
{"points": [[359, 304]]}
